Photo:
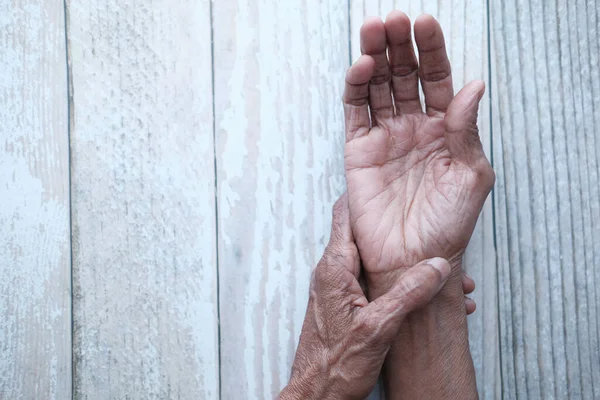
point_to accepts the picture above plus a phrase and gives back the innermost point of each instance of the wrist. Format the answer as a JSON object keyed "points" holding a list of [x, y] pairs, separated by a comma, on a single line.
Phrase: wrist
{"points": [[381, 282], [430, 357]]}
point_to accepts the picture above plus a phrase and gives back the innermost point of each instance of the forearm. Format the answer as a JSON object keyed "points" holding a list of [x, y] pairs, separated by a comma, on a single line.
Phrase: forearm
{"points": [[430, 358]]}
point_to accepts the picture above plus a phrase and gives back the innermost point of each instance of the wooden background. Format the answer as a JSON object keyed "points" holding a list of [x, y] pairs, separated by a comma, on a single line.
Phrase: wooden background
{"points": [[167, 171]]}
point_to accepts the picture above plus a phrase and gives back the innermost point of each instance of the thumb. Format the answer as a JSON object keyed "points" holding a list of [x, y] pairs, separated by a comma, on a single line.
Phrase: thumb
{"points": [[415, 288], [462, 134]]}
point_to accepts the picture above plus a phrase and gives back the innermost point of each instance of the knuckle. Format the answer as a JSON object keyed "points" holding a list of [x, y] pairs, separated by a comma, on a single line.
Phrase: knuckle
{"points": [[356, 94], [435, 75], [321, 274], [401, 71], [466, 131], [340, 220], [336, 259], [489, 177], [366, 328], [340, 254], [437, 69], [483, 175], [338, 208], [362, 325], [356, 102], [380, 78]]}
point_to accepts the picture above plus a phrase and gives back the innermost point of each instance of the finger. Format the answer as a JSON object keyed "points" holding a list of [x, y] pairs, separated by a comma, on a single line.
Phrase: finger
{"points": [[356, 97], [341, 250], [415, 288], [341, 232], [403, 63], [373, 42], [434, 66], [468, 284], [470, 305], [462, 134]]}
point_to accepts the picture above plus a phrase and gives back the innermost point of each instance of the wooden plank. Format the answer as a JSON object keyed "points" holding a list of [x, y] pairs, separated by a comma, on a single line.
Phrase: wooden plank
{"points": [[35, 266], [465, 28], [279, 74], [545, 57], [145, 306]]}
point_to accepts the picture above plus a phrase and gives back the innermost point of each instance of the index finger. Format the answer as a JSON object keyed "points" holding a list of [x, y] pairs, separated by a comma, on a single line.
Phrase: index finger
{"points": [[341, 232]]}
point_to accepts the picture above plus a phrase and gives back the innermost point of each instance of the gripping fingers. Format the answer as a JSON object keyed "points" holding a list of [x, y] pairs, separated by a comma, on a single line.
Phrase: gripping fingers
{"points": [[470, 305], [468, 284]]}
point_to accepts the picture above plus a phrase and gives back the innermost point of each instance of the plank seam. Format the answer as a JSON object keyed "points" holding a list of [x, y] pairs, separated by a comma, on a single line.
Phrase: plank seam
{"points": [[595, 154], [545, 193], [493, 193], [570, 197], [564, 123], [581, 199], [69, 163], [508, 243], [216, 188], [583, 196], [558, 205], [531, 385]]}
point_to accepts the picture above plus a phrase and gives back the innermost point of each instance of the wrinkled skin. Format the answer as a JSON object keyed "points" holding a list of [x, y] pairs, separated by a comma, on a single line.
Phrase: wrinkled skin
{"points": [[345, 338], [417, 180]]}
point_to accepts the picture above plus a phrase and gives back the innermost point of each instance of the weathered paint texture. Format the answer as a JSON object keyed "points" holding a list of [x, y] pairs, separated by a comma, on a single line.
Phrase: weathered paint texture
{"points": [[144, 255], [187, 154], [279, 74], [35, 276], [546, 119]]}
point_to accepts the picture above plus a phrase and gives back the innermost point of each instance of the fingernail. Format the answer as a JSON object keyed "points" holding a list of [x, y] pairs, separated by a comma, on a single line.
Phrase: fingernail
{"points": [[441, 265]]}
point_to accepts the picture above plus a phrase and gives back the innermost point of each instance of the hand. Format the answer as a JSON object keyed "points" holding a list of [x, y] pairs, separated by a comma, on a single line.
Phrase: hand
{"points": [[345, 338], [416, 180]]}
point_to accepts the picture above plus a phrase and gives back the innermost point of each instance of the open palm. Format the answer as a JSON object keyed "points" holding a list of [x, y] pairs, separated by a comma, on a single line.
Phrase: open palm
{"points": [[416, 180]]}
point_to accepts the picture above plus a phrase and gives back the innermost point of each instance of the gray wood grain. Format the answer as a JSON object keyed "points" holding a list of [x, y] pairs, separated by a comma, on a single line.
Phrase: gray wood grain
{"points": [[279, 74], [545, 113], [144, 248], [35, 270]]}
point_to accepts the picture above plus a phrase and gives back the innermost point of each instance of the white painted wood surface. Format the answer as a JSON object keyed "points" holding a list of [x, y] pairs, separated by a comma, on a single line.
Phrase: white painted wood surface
{"points": [[159, 254], [144, 245], [279, 74], [35, 276], [546, 114]]}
